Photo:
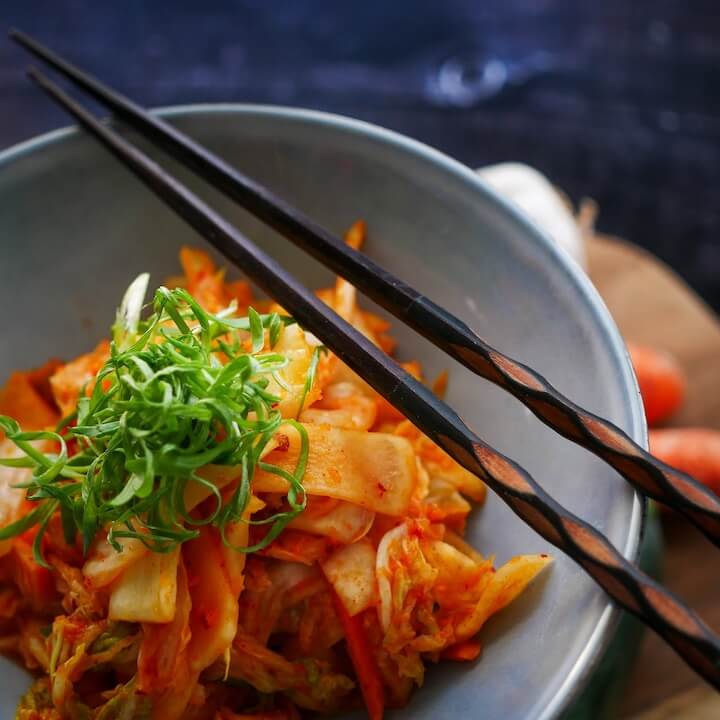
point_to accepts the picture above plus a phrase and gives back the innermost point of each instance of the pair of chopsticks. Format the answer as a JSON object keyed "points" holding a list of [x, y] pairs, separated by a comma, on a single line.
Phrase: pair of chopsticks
{"points": [[621, 580]]}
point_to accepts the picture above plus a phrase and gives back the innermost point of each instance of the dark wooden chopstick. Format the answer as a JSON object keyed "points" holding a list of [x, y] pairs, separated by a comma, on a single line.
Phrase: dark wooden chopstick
{"points": [[601, 437], [626, 584]]}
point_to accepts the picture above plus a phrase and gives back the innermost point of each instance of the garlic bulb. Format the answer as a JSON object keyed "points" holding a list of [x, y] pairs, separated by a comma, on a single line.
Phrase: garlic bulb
{"points": [[541, 202]]}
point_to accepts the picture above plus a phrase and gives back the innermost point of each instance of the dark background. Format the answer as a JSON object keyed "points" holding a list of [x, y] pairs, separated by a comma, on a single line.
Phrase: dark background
{"points": [[616, 100]]}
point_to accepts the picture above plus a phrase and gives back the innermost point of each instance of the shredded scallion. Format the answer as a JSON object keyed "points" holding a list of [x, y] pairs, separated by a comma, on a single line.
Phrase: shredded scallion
{"points": [[181, 390]]}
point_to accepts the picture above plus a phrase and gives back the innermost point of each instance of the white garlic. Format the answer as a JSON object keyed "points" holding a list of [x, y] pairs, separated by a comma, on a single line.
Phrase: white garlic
{"points": [[540, 201]]}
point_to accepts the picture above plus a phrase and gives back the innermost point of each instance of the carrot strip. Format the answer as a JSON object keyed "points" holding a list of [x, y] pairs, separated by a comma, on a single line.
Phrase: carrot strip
{"points": [[661, 380], [363, 661], [440, 385], [20, 399], [355, 236], [40, 379], [35, 582], [695, 451]]}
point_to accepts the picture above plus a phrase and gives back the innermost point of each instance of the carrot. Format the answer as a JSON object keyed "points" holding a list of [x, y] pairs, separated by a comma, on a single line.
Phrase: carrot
{"points": [[78, 376], [240, 291], [35, 582], [363, 661], [462, 651], [440, 384], [40, 379], [20, 399], [695, 451], [196, 264], [355, 236], [661, 380]]}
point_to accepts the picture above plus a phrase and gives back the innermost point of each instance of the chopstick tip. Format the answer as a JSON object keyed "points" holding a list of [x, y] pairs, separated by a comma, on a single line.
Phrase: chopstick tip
{"points": [[20, 38], [35, 75]]}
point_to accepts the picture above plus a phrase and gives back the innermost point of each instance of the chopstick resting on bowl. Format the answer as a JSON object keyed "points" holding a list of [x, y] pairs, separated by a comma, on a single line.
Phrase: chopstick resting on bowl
{"points": [[625, 583], [647, 474]]}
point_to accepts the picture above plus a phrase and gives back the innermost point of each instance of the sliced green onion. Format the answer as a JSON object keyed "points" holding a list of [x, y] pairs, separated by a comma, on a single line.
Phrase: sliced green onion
{"points": [[178, 392]]}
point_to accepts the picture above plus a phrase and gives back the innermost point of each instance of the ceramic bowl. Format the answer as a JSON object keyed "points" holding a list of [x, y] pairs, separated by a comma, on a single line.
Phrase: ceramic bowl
{"points": [[77, 227]]}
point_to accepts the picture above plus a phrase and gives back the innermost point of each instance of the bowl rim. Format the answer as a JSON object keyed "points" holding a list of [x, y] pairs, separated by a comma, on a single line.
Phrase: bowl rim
{"points": [[588, 659]]}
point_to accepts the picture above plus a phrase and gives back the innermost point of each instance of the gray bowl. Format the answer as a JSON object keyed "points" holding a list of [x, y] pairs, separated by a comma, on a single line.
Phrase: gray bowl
{"points": [[76, 227]]}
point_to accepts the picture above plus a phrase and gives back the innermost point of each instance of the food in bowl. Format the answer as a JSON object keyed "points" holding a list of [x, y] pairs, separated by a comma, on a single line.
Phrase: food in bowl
{"points": [[210, 516]]}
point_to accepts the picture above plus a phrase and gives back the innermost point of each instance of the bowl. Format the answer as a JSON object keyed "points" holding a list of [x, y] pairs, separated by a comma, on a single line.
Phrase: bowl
{"points": [[77, 227]]}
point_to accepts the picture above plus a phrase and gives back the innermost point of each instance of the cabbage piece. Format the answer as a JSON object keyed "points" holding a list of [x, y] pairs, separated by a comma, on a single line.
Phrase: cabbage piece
{"points": [[214, 614], [433, 594], [405, 583], [163, 645], [35, 700], [444, 503], [125, 704], [459, 543], [452, 473], [340, 521], [221, 476], [12, 499], [236, 536], [343, 405], [506, 584], [147, 590], [355, 418], [293, 344], [351, 572], [310, 684], [105, 564], [399, 567], [277, 587], [163, 663], [460, 579], [374, 470], [78, 376]]}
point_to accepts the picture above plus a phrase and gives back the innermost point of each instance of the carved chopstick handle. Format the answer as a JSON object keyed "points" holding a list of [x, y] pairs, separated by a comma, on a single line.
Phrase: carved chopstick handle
{"points": [[632, 589], [644, 472]]}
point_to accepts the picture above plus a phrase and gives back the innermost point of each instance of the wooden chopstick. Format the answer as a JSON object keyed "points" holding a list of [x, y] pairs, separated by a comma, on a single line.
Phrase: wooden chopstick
{"points": [[656, 606], [601, 437]]}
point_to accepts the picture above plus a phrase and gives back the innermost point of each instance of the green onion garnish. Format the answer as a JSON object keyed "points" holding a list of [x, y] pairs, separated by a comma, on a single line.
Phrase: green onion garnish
{"points": [[181, 390]]}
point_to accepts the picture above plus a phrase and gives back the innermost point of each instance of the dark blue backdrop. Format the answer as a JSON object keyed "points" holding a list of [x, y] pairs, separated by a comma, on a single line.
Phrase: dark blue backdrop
{"points": [[616, 100]]}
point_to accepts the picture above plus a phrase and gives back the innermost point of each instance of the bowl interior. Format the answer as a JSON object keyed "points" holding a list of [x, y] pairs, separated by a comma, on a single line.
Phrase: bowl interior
{"points": [[77, 227]]}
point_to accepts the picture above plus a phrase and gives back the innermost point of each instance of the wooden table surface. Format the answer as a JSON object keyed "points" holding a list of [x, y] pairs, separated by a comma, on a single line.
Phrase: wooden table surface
{"points": [[651, 305]]}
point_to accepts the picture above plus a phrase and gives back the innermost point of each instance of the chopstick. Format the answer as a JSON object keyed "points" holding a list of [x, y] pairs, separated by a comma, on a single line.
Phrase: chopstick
{"points": [[632, 589], [601, 437]]}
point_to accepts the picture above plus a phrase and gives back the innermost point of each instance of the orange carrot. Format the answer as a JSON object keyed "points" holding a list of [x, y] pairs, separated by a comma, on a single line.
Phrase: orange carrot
{"points": [[662, 382], [363, 661], [462, 651], [196, 264], [355, 236], [77, 376], [34, 581], [20, 399], [40, 379], [440, 384], [695, 451]]}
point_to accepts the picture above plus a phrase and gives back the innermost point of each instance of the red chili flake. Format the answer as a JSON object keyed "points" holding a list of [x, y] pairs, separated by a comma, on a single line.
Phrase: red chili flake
{"points": [[283, 443], [209, 616], [382, 489]]}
